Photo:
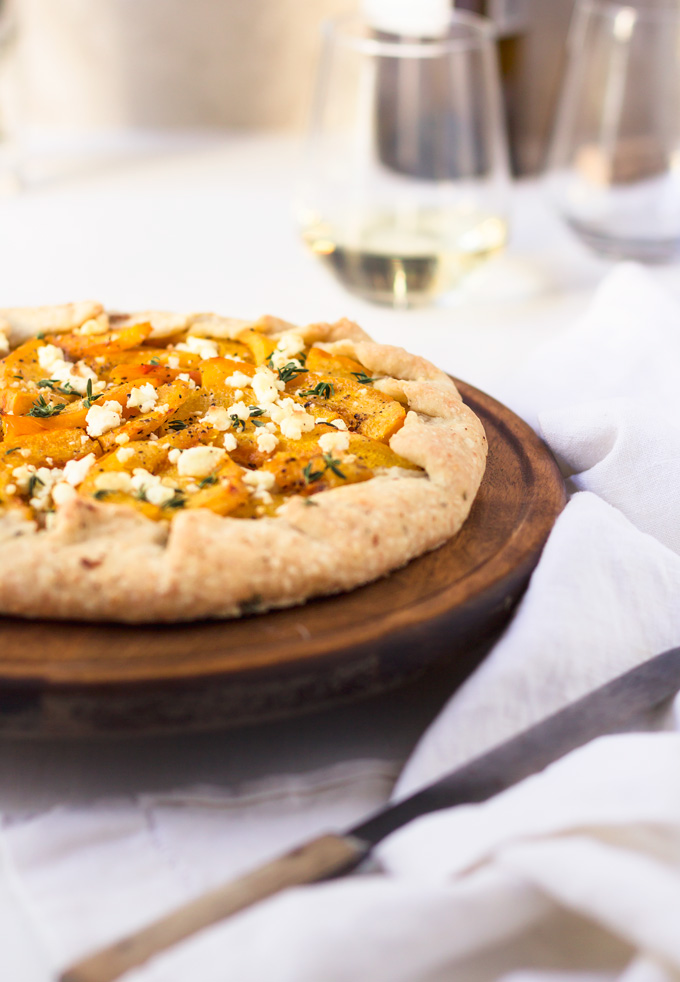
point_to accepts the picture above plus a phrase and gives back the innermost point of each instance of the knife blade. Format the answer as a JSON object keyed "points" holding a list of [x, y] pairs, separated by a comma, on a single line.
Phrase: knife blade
{"points": [[616, 707]]}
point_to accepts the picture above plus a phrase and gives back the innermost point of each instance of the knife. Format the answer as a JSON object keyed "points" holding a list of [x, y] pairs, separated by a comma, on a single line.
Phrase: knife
{"points": [[619, 706]]}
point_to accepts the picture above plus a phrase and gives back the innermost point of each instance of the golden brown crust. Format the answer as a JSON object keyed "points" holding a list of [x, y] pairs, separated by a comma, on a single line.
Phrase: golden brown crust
{"points": [[103, 562]]}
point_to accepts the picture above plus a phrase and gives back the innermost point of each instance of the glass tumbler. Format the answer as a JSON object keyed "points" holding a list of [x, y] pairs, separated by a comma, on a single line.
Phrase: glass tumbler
{"points": [[405, 182], [614, 161]]}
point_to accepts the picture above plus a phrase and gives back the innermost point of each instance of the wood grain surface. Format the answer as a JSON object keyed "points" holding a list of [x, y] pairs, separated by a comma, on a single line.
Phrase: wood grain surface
{"points": [[75, 678]]}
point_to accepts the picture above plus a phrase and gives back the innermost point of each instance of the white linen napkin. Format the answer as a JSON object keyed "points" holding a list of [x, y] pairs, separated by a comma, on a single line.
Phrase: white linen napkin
{"points": [[573, 874]]}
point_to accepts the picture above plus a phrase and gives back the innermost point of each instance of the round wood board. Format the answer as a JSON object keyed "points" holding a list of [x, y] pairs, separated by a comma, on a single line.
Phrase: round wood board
{"points": [[71, 678]]}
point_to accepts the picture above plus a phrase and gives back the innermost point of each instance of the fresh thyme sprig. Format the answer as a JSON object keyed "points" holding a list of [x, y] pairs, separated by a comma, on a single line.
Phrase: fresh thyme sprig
{"points": [[363, 378], [43, 410], [324, 390], [330, 464], [179, 501], [333, 465], [177, 424], [310, 475], [32, 481], [50, 383], [208, 481], [290, 371], [87, 401]]}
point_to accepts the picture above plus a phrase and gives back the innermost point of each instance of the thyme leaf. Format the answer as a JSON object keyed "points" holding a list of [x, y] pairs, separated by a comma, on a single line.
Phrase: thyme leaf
{"points": [[310, 475], [324, 390], [207, 481], [289, 371], [237, 422], [177, 425], [179, 501], [32, 481], [50, 383], [87, 401], [363, 378], [43, 410], [333, 465]]}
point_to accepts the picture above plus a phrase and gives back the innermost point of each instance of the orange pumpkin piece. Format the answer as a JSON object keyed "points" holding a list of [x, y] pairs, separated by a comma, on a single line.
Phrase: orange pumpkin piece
{"points": [[261, 347], [308, 473], [94, 345], [322, 361], [59, 447], [364, 410], [222, 492], [163, 374]]}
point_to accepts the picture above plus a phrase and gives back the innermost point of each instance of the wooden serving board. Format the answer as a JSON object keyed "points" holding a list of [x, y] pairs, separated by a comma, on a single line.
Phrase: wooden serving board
{"points": [[72, 678]]}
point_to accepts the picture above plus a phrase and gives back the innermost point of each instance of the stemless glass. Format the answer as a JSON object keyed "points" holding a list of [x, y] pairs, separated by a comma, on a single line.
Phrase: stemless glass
{"points": [[614, 162], [405, 178]]}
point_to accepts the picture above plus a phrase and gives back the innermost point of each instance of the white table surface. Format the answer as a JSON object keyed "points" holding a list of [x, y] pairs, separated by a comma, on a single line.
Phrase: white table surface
{"points": [[210, 227]]}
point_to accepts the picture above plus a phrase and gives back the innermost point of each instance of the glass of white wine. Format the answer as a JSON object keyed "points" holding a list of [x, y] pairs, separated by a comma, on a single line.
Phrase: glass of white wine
{"points": [[405, 178]]}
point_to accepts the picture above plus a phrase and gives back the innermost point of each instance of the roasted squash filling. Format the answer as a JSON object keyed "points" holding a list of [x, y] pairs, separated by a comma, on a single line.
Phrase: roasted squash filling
{"points": [[235, 426]]}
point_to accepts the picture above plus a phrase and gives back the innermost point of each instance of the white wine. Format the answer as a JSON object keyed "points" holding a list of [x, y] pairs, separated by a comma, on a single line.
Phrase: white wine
{"points": [[405, 260]]}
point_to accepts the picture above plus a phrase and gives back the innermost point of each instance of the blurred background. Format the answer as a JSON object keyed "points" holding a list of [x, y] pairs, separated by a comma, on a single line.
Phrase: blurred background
{"points": [[107, 65]]}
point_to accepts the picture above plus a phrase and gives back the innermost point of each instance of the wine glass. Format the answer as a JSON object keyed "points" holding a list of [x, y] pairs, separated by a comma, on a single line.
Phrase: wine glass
{"points": [[405, 179], [614, 161]]}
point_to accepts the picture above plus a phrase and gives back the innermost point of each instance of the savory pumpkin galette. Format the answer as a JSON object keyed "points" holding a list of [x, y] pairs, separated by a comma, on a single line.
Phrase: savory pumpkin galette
{"points": [[158, 467]]}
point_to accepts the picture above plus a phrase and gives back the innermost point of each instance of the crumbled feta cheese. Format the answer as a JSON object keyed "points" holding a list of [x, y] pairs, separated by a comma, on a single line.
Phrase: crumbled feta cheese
{"points": [[238, 380], [239, 409], [230, 442], [260, 484], [174, 455], [338, 423], [199, 461], [238, 395], [218, 418], [62, 493], [51, 360], [173, 362], [259, 479], [202, 347], [48, 354], [22, 475], [266, 442], [159, 494], [75, 471], [266, 386], [334, 442], [96, 325], [113, 481], [125, 454], [143, 397], [188, 379], [25, 452], [10, 489], [288, 345], [121, 439], [292, 419], [40, 480], [101, 419]]}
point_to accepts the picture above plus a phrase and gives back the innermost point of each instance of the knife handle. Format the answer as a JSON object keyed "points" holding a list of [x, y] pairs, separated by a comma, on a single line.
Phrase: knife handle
{"points": [[315, 860]]}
